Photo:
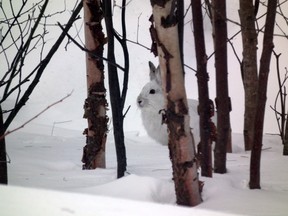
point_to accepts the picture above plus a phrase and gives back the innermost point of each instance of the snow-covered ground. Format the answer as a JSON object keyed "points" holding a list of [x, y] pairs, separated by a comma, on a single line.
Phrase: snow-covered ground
{"points": [[52, 164]]}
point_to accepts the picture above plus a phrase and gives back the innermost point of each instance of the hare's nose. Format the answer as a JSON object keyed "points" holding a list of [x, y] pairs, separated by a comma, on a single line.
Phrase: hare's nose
{"points": [[140, 102]]}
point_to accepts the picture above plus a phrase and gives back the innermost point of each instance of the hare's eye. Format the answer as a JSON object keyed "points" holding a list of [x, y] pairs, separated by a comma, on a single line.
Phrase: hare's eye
{"points": [[152, 91]]}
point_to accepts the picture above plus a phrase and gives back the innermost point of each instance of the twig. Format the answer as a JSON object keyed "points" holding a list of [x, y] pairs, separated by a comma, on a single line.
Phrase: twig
{"points": [[36, 116], [267, 148], [273, 134], [41, 67], [138, 26], [59, 122], [137, 43], [280, 115], [126, 111], [185, 65], [86, 50]]}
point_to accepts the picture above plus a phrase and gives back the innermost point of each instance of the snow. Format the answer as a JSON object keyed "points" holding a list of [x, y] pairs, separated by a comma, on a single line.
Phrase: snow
{"points": [[45, 172], [36, 202], [45, 178]]}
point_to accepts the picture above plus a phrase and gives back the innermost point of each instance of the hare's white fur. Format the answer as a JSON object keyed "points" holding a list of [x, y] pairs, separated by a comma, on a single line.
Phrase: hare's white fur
{"points": [[151, 103]]}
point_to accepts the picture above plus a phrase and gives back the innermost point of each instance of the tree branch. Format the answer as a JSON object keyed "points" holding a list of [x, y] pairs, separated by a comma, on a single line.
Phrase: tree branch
{"points": [[43, 64], [88, 51], [36, 116]]}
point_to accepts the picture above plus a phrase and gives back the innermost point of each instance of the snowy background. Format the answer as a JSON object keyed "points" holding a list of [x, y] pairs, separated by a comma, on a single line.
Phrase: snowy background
{"points": [[66, 72], [46, 154]]}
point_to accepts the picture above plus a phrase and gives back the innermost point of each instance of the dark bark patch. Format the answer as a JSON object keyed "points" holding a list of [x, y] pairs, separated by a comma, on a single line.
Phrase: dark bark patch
{"points": [[96, 29], [91, 150], [160, 3], [169, 21], [154, 38], [93, 107], [156, 42], [175, 121]]}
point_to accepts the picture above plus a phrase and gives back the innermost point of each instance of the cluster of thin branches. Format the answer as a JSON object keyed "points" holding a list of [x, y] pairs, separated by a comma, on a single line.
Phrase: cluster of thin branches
{"points": [[24, 49], [23, 31], [18, 35], [281, 116], [259, 22], [280, 104]]}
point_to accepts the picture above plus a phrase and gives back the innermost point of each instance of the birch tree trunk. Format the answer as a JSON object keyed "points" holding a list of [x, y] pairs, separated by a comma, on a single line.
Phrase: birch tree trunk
{"points": [[249, 69], [96, 103], [222, 96], [205, 144], [181, 143], [268, 46]]}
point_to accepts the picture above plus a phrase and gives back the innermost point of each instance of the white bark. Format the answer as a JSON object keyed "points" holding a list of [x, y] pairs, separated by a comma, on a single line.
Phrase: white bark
{"points": [[181, 143]]}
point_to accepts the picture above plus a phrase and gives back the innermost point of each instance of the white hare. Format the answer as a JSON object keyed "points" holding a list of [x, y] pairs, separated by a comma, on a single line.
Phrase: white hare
{"points": [[151, 102]]}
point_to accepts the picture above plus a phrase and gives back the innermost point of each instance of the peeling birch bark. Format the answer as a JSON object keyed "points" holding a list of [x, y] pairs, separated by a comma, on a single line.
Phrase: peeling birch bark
{"points": [[96, 104], [181, 142]]}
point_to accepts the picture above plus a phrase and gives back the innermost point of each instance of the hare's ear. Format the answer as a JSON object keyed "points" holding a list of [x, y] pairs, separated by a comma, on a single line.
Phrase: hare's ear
{"points": [[152, 68], [155, 73]]}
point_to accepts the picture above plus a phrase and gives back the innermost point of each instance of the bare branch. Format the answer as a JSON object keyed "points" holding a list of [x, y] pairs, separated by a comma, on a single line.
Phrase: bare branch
{"points": [[88, 51], [39, 69], [36, 116]]}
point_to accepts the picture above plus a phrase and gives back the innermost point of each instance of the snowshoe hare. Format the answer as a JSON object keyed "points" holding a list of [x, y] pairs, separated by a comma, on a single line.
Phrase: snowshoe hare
{"points": [[151, 102]]}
